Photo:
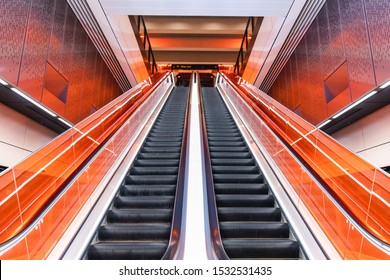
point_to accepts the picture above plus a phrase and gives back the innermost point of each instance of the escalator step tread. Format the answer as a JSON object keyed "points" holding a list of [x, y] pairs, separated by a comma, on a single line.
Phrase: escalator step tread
{"points": [[238, 178], [163, 139], [228, 149], [235, 161], [151, 179], [168, 156], [227, 144], [235, 169], [160, 150], [145, 190], [241, 188], [127, 250], [139, 216], [152, 170], [137, 231], [144, 202], [162, 144], [254, 229], [249, 214], [268, 248], [156, 162], [230, 155]]}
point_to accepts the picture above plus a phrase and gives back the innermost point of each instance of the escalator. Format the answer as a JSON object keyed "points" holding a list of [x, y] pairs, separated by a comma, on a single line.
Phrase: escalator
{"points": [[138, 223], [251, 223]]}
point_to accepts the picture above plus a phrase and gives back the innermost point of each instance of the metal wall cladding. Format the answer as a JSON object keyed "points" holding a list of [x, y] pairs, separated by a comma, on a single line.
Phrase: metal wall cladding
{"points": [[352, 31], [35, 32], [378, 19], [13, 22]]}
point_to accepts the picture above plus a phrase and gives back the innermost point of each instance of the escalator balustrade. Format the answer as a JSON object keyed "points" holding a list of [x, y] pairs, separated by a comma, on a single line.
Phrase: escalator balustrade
{"points": [[138, 223], [251, 224]]}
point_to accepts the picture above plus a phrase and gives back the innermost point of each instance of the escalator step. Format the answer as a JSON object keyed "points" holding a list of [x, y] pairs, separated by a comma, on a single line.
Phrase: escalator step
{"points": [[163, 139], [228, 149], [241, 188], [140, 232], [235, 169], [167, 133], [238, 178], [158, 156], [223, 134], [249, 214], [162, 144], [160, 150], [227, 144], [156, 162], [165, 130], [144, 202], [230, 155], [151, 179], [139, 216], [254, 230], [235, 161], [249, 200], [217, 138], [127, 250], [145, 190], [261, 248], [160, 170], [224, 130]]}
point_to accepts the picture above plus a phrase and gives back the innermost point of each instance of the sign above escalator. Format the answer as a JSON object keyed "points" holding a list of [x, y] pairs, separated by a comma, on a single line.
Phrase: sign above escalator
{"points": [[194, 66]]}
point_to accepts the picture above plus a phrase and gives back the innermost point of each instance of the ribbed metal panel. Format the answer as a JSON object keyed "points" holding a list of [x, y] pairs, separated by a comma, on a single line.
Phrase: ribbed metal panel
{"points": [[305, 19], [91, 26]]}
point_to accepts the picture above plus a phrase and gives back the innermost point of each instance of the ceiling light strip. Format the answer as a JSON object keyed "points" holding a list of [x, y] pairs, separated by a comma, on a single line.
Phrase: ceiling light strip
{"points": [[29, 99]]}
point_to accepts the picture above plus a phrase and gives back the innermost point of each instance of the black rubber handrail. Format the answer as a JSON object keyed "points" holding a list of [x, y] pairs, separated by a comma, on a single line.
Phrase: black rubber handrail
{"points": [[176, 226], [215, 235]]}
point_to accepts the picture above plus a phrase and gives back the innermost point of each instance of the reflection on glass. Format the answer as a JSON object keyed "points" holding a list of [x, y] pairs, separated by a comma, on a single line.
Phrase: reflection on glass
{"points": [[359, 187]]}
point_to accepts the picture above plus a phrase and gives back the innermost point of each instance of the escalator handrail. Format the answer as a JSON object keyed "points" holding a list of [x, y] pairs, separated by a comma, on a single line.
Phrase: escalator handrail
{"points": [[255, 98], [215, 235], [117, 111], [176, 226]]}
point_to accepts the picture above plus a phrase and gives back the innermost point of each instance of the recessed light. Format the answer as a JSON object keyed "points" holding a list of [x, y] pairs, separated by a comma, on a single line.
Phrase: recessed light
{"points": [[355, 104], [385, 85], [65, 122], [4, 83], [324, 123], [28, 98]]}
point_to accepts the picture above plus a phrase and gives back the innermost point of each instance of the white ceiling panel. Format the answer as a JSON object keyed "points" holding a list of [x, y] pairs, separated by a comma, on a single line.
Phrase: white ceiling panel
{"points": [[197, 7]]}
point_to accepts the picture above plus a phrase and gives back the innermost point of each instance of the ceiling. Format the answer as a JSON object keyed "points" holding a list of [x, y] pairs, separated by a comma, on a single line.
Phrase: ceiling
{"points": [[200, 40], [190, 31]]}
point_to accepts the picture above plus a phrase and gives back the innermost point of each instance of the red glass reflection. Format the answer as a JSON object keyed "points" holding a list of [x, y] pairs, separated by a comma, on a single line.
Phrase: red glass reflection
{"points": [[358, 186], [29, 186]]}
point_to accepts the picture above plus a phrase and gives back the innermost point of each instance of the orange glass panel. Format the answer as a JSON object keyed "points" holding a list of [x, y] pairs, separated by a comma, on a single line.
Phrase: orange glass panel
{"points": [[354, 244], [370, 252], [18, 252], [41, 176], [358, 186], [35, 244], [10, 221]]}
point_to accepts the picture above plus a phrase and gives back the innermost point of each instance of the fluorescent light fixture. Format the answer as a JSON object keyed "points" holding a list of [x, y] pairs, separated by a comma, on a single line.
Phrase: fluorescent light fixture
{"points": [[324, 123], [4, 83], [355, 104], [385, 85], [28, 98], [65, 122]]}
